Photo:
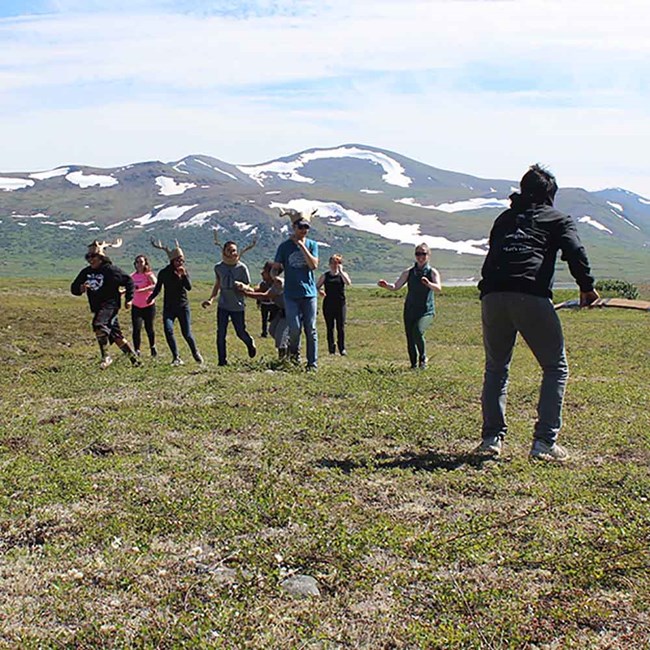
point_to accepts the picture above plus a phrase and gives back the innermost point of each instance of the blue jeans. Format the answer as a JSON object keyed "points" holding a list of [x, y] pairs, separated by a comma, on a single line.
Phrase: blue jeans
{"points": [[182, 312], [504, 314], [301, 313], [239, 323]]}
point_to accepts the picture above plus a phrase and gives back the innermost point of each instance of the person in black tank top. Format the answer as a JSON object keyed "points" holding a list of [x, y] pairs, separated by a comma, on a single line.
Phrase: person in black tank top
{"points": [[331, 285]]}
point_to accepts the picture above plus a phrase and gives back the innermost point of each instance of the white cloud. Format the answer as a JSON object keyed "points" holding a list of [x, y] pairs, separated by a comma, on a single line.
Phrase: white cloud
{"points": [[562, 83]]}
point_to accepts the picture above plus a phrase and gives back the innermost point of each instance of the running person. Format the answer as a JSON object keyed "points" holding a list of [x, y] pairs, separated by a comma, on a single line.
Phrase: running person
{"points": [[422, 281], [232, 304], [144, 281], [331, 285], [101, 282], [297, 257], [176, 281]]}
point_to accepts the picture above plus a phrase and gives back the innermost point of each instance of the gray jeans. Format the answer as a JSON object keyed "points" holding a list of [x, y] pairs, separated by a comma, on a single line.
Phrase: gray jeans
{"points": [[504, 314]]}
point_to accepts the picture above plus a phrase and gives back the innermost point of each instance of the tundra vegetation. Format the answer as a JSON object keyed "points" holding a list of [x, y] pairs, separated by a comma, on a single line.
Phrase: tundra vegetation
{"points": [[161, 507]]}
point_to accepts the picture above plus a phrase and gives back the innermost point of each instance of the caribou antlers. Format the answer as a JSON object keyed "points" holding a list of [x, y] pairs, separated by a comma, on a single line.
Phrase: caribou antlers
{"points": [[297, 215], [172, 253], [158, 244], [217, 242]]}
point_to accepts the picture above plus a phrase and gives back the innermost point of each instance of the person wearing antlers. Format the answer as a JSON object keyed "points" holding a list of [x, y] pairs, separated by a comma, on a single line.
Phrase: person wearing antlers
{"points": [[229, 273], [297, 257], [176, 281], [101, 281]]}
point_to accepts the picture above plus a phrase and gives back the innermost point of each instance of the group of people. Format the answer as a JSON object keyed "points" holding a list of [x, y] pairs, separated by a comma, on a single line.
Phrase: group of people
{"points": [[515, 288], [288, 293]]}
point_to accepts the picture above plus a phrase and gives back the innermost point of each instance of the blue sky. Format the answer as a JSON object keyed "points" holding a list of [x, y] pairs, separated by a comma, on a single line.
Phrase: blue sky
{"points": [[480, 86]]}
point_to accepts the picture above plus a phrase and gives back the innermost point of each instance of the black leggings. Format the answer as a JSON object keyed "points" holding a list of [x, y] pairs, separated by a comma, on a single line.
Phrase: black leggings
{"points": [[335, 313], [140, 316]]}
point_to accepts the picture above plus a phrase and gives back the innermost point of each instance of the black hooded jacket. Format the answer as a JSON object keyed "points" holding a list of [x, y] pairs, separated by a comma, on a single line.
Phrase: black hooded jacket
{"points": [[524, 242], [103, 286]]}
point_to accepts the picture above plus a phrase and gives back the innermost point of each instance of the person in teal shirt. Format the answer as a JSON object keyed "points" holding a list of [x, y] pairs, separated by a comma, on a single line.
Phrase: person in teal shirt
{"points": [[422, 282]]}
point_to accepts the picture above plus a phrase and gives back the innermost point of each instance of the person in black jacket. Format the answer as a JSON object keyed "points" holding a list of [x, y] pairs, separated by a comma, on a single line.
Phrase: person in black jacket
{"points": [[101, 282], [176, 280], [516, 293]]}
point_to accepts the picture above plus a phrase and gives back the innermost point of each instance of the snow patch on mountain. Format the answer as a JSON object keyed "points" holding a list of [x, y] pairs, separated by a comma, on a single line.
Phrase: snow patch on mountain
{"points": [[367, 191], [8, 184], [169, 187], [198, 219], [38, 215], [478, 203], [115, 225], [644, 201], [171, 213], [627, 221], [71, 222], [242, 226], [216, 169], [616, 206], [90, 180], [288, 170], [403, 233], [51, 173], [596, 224]]}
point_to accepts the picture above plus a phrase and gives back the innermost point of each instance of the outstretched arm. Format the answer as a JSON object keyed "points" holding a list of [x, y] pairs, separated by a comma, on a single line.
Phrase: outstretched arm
{"points": [[398, 284]]}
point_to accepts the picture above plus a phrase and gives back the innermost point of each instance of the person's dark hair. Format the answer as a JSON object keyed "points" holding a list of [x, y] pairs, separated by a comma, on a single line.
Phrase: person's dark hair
{"points": [[229, 243], [147, 263], [538, 185], [268, 266]]}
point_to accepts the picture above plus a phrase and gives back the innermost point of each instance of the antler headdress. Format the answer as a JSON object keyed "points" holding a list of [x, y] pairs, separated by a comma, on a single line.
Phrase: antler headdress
{"points": [[297, 215], [244, 250], [172, 253], [98, 247]]}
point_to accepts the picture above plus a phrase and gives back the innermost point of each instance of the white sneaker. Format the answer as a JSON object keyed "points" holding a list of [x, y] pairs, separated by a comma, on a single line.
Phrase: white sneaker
{"points": [[490, 446], [106, 361], [178, 362], [544, 451]]}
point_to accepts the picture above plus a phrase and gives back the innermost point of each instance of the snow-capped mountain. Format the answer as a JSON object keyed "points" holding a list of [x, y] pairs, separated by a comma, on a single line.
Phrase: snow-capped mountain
{"points": [[371, 203]]}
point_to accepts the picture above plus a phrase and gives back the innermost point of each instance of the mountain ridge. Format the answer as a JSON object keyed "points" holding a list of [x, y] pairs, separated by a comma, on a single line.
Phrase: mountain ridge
{"points": [[370, 201]]}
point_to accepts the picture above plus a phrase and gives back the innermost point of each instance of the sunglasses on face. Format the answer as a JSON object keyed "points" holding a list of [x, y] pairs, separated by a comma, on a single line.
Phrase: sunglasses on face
{"points": [[420, 254], [91, 256], [303, 226]]}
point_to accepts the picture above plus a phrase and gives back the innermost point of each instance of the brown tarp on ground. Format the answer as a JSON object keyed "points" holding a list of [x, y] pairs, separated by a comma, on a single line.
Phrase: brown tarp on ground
{"points": [[621, 303]]}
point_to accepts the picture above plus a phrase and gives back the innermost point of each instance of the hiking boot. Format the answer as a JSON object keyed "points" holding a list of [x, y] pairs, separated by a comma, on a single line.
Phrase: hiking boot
{"points": [[105, 362], [343, 353], [552, 453], [135, 361], [252, 350], [198, 358], [178, 362], [154, 352], [423, 363], [490, 446]]}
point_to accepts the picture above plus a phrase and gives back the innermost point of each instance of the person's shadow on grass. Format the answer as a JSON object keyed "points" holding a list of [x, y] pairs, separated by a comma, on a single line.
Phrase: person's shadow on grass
{"points": [[429, 461]]}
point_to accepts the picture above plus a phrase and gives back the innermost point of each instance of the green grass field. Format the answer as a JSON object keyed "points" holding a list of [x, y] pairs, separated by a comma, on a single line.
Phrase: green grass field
{"points": [[163, 507]]}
